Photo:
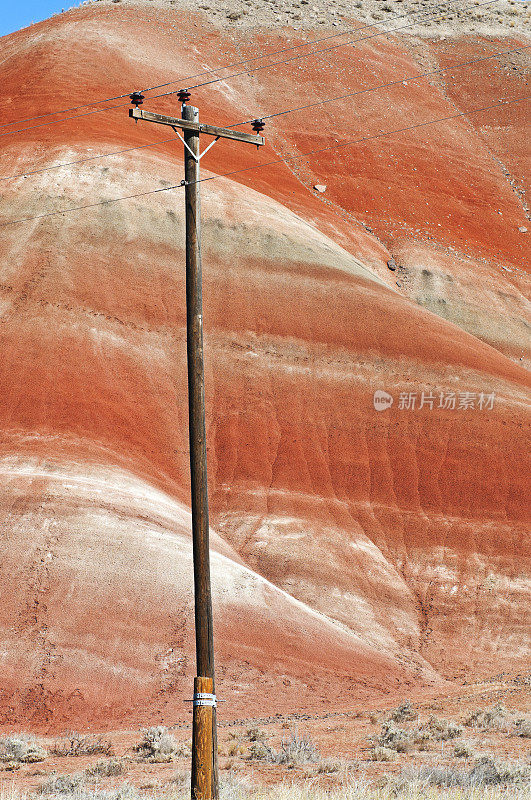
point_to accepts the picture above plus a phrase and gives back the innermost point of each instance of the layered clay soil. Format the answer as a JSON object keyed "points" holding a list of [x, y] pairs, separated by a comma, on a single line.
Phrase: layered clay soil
{"points": [[357, 554]]}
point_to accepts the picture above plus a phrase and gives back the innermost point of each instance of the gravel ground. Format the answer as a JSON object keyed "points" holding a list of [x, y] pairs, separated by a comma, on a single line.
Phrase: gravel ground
{"points": [[455, 18]]}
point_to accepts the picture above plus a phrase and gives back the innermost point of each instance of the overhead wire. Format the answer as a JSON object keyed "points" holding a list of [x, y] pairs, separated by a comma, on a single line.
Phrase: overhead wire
{"points": [[284, 160], [405, 78], [243, 72], [440, 9]]}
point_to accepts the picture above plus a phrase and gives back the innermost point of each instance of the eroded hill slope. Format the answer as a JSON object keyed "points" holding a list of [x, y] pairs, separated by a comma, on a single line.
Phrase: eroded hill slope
{"points": [[369, 550]]}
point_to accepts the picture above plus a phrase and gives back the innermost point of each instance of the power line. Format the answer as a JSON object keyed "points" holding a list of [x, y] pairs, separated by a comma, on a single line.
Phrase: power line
{"points": [[244, 72], [279, 113], [441, 9], [270, 163]]}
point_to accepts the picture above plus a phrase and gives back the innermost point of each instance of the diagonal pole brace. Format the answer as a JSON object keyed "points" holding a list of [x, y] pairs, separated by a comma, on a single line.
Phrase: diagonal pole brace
{"points": [[196, 158], [205, 151]]}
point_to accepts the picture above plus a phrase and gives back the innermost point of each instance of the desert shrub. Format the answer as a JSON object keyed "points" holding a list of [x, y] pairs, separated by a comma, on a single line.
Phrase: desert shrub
{"points": [[158, 745], [522, 727], [380, 753], [397, 739], [486, 772], [21, 747], [235, 748], [464, 749], [404, 713], [61, 784], [296, 750], [75, 744], [490, 771], [403, 740], [106, 769], [260, 751], [497, 717], [440, 730], [255, 735]]}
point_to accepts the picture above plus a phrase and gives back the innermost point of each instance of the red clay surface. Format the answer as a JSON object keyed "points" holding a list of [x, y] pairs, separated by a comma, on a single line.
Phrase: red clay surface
{"points": [[358, 553]]}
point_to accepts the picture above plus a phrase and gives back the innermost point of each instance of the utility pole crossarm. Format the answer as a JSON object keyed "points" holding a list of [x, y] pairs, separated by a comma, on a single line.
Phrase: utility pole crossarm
{"points": [[197, 127]]}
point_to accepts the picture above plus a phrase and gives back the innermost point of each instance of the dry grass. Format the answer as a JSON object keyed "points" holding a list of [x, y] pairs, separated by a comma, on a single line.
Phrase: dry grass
{"points": [[497, 718], [233, 789], [486, 771]]}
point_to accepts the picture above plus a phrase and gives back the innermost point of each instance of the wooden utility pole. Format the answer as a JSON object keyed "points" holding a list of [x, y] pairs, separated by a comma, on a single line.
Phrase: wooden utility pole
{"points": [[204, 737]]}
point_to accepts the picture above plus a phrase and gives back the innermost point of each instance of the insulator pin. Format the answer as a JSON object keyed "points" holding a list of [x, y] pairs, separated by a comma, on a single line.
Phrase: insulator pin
{"points": [[183, 95], [258, 125], [137, 98]]}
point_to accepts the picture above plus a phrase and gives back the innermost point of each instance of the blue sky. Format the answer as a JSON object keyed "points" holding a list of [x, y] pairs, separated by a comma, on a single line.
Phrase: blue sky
{"points": [[15, 14]]}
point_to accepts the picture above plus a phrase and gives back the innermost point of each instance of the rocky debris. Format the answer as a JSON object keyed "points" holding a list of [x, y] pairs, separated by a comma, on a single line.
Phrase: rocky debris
{"points": [[507, 16]]}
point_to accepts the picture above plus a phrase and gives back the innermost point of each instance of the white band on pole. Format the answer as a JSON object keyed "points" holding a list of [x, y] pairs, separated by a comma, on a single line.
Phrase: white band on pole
{"points": [[204, 699]]}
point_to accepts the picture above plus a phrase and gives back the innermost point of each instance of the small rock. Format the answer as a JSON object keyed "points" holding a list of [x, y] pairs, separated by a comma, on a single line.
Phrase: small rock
{"points": [[522, 229], [319, 187], [391, 264]]}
